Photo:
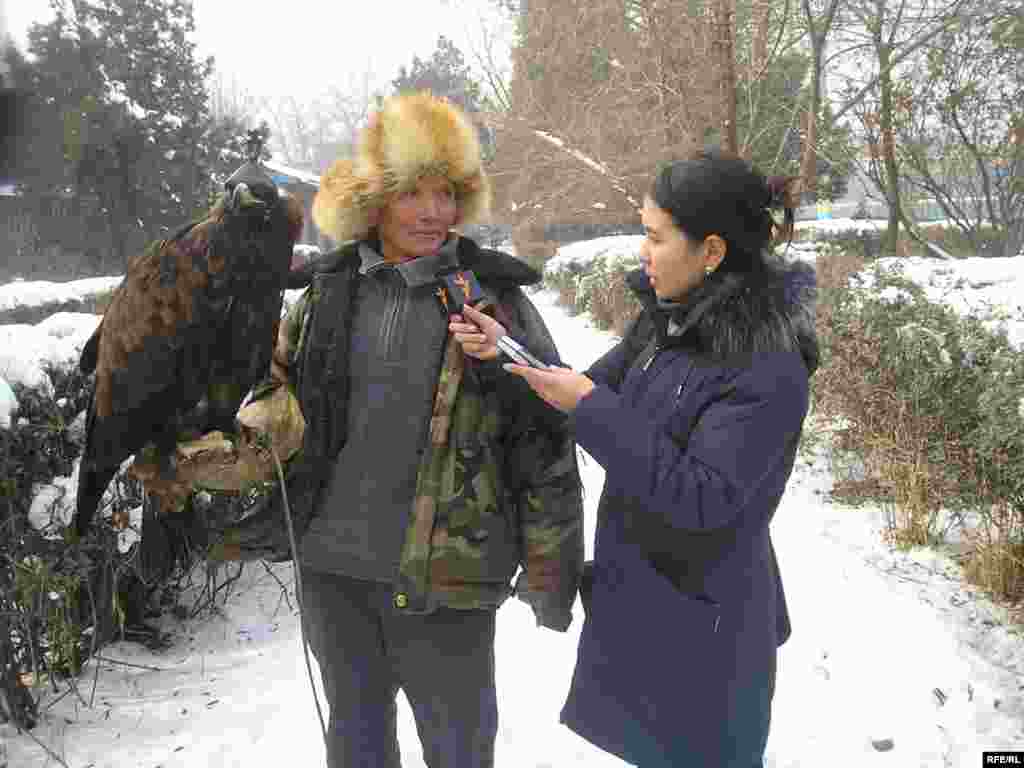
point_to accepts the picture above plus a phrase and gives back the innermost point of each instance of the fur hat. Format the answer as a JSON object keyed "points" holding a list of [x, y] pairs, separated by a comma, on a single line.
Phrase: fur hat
{"points": [[413, 135]]}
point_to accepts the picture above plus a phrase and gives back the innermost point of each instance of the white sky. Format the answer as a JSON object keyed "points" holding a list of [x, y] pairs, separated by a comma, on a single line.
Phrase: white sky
{"points": [[885, 646], [302, 47]]}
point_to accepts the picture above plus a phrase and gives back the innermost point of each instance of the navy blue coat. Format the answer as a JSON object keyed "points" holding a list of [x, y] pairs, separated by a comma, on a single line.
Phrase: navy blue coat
{"points": [[695, 418]]}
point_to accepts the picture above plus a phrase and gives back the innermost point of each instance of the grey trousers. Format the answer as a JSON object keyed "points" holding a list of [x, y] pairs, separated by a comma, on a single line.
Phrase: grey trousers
{"points": [[367, 650]]}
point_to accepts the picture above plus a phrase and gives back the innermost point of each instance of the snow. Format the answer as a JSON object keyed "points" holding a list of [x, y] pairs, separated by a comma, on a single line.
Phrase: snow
{"points": [[8, 404], [54, 503], [886, 644], [613, 249], [843, 225], [26, 349], [987, 288], [21, 293]]}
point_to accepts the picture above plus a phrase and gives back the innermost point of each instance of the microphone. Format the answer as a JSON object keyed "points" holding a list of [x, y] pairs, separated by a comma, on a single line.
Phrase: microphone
{"points": [[461, 287]]}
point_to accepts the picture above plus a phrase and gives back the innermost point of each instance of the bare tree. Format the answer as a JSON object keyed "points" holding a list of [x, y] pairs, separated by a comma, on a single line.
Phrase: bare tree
{"points": [[310, 135], [819, 19], [489, 35], [625, 90], [897, 33], [765, 37], [228, 99], [961, 130]]}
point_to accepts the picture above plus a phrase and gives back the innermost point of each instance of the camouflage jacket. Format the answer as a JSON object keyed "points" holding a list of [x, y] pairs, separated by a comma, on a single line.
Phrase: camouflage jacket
{"points": [[498, 484]]}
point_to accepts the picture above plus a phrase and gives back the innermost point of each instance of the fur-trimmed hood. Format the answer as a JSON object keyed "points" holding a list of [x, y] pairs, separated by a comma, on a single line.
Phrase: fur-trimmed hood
{"points": [[413, 135], [731, 317]]}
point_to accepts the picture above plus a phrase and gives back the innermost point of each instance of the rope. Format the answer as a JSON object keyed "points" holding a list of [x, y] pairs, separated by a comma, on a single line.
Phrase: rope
{"points": [[298, 585]]}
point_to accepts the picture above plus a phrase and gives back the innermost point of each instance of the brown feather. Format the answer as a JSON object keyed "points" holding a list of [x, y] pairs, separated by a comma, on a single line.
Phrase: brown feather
{"points": [[144, 306]]}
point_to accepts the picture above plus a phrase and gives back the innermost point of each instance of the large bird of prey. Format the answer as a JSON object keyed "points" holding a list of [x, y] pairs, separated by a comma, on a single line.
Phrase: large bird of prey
{"points": [[188, 332]]}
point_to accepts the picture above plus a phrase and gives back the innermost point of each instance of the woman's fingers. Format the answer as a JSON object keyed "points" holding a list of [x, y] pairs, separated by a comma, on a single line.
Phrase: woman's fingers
{"points": [[561, 387]]}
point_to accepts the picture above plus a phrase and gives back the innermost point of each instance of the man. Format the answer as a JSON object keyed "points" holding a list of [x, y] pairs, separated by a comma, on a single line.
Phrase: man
{"points": [[427, 477]]}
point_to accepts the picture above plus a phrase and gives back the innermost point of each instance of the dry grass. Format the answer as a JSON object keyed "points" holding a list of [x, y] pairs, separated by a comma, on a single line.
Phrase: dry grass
{"points": [[612, 304], [925, 438]]}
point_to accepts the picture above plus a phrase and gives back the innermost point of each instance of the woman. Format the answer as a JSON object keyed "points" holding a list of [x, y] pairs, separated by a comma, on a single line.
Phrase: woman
{"points": [[695, 416]]}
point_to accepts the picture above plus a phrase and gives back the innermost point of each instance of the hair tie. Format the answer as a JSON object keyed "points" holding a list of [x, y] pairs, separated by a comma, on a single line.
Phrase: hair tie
{"points": [[781, 192]]}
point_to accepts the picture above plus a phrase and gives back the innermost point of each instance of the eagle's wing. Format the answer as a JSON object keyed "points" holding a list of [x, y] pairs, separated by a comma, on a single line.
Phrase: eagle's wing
{"points": [[151, 335]]}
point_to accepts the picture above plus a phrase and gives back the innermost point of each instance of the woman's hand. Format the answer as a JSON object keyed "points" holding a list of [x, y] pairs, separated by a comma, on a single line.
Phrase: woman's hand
{"points": [[477, 333], [562, 388]]}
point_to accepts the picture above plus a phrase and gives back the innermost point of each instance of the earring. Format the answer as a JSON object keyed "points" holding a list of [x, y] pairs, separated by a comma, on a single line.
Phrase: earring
{"points": [[708, 270]]}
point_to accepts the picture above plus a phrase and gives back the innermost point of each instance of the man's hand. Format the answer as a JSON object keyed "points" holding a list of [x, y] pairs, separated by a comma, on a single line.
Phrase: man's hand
{"points": [[477, 333], [562, 388]]}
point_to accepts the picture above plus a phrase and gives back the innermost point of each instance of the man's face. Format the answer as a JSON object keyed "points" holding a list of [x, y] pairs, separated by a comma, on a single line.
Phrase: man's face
{"points": [[415, 222]]}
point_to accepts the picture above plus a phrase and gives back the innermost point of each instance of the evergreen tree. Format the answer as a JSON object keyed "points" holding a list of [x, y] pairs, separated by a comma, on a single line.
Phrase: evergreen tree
{"points": [[445, 74], [136, 137]]}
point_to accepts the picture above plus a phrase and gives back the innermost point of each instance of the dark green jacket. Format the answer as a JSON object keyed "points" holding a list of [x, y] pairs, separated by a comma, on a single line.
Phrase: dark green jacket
{"points": [[497, 486]]}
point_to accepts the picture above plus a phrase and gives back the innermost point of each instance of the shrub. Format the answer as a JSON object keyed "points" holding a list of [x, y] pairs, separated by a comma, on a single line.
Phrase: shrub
{"points": [[594, 280], [865, 240], [606, 295], [41, 578], [988, 241], [31, 314], [61, 596], [931, 404]]}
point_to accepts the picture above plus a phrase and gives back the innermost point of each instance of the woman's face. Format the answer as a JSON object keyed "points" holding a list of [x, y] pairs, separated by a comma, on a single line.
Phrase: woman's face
{"points": [[415, 222], [673, 263]]}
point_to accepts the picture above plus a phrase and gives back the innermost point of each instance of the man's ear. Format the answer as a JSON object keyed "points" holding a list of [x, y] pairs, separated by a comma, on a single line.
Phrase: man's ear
{"points": [[373, 217]]}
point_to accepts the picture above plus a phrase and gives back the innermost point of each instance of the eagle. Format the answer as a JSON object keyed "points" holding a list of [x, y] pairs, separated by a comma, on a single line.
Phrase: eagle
{"points": [[188, 332]]}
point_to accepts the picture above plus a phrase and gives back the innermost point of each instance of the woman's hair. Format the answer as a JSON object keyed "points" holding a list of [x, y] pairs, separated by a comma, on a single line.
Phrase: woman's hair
{"points": [[712, 193]]}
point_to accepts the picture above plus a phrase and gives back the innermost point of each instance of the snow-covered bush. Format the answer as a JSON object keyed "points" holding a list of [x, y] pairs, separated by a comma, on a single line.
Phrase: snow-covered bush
{"points": [[590, 277], [8, 404], [44, 600], [929, 397], [31, 302]]}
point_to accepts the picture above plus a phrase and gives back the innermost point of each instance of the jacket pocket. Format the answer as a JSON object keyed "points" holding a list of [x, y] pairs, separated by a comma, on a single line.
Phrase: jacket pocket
{"points": [[630, 593], [474, 539]]}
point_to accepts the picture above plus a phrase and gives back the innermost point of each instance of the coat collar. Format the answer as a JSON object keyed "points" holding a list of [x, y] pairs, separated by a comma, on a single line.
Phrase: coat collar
{"points": [[489, 265], [731, 317], [416, 272]]}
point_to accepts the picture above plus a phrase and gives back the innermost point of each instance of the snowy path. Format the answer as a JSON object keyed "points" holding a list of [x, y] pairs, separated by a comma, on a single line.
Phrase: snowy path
{"points": [[875, 635]]}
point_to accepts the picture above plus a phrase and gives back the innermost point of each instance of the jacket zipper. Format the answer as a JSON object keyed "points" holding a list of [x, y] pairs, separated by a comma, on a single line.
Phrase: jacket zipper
{"points": [[654, 354], [395, 296], [307, 327]]}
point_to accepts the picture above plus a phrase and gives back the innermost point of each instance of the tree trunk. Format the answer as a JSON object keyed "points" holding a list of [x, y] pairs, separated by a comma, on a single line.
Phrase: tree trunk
{"points": [[724, 34], [761, 15], [809, 162], [892, 177], [761, 12]]}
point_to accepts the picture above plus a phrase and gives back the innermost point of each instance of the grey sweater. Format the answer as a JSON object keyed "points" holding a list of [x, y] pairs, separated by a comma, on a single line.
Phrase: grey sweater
{"points": [[398, 334]]}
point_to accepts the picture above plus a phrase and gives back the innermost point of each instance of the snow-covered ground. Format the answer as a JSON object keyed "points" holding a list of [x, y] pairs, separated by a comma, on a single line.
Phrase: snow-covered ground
{"points": [[888, 648]]}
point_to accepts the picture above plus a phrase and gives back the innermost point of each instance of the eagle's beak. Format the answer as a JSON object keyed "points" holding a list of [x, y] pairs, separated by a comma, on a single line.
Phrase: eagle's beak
{"points": [[242, 198]]}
